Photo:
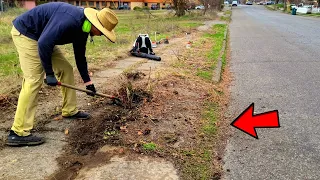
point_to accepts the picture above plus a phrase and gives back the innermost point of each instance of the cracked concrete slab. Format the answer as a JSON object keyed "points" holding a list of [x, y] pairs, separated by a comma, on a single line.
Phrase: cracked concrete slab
{"points": [[122, 169], [31, 162]]}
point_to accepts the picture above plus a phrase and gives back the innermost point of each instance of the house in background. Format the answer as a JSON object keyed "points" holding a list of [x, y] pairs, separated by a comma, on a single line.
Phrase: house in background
{"points": [[98, 4], [114, 4], [27, 4]]}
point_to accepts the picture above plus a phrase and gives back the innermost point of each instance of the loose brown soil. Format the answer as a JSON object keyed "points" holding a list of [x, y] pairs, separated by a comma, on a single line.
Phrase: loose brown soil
{"points": [[105, 127]]}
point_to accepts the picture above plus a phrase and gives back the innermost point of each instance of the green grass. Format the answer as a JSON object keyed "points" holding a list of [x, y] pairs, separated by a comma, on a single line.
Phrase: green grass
{"points": [[131, 23], [224, 56], [218, 40], [149, 146], [311, 15], [9, 64], [205, 74], [210, 119], [217, 37], [279, 6], [225, 18], [270, 7], [199, 160]]}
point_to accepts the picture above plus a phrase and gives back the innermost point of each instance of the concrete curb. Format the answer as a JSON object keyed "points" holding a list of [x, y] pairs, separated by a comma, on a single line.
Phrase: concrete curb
{"points": [[216, 77]]}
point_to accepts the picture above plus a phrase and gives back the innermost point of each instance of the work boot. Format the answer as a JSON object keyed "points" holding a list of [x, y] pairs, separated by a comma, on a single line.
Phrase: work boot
{"points": [[31, 140], [80, 115]]}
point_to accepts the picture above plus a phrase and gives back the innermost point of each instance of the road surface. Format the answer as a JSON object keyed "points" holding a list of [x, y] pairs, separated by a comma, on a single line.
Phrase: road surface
{"points": [[275, 61]]}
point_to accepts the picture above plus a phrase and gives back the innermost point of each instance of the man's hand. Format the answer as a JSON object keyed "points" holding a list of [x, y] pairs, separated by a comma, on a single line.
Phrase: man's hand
{"points": [[51, 80], [91, 88]]}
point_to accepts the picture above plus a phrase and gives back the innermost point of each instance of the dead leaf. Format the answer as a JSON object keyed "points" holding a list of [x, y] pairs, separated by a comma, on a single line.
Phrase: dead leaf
{"points": [[140, 133], [121, 151], [123, 127], [58, 118], [66, 131]]}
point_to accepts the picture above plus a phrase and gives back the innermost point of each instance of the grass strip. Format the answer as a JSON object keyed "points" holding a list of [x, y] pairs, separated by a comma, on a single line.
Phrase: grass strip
{"points": [[199, 160], [217, 37]]}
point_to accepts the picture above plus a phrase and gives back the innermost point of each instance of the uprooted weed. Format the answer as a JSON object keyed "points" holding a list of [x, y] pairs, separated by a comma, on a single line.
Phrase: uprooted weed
{"points": [[104, 128], [132, 98]]}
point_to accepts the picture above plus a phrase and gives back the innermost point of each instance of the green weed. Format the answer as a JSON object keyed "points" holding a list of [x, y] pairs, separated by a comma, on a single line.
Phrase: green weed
{"points": [[205, 74], [149, 146]]}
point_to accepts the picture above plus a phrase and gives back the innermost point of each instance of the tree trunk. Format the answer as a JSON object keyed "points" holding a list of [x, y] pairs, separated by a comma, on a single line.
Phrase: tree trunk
{"points": [[179, 6]]}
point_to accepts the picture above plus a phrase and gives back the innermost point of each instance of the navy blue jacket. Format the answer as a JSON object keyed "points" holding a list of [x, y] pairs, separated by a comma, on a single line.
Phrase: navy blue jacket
{"points": [[53, 24]]}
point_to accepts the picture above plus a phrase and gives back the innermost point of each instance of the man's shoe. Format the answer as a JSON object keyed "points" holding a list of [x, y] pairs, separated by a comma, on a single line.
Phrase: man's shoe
{"points": [[15, 140], [79, 115]]}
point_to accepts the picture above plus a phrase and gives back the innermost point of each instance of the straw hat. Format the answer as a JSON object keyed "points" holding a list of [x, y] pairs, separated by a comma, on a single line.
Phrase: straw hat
{"points": [[104, 20]]}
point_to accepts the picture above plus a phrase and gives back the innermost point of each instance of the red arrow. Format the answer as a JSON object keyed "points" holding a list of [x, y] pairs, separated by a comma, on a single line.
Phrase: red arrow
{"points": [[247, 122]]}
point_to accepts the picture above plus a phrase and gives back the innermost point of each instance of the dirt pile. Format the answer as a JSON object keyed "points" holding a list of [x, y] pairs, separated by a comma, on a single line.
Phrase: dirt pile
{"points": [[105, 127]]}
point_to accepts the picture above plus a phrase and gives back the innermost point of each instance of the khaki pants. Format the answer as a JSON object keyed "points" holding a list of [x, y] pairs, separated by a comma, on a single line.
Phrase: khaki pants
{"points": [[33, 75]]}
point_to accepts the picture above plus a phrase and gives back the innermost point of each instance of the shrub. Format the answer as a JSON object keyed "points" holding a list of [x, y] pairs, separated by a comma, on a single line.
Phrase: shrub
{"points": [[137, 8], [280, 5], [145, 8]]}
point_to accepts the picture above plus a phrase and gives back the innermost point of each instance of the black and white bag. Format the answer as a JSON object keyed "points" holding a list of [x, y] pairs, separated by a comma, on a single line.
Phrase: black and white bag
{"points": [[142, 44]]}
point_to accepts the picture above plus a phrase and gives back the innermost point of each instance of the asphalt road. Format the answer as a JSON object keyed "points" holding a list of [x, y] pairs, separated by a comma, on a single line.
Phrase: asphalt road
{"points": [[275, 61]]}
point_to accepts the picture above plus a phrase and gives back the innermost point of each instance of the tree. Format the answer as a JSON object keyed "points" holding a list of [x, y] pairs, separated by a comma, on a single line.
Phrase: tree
{"points": [[180, 6]]}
